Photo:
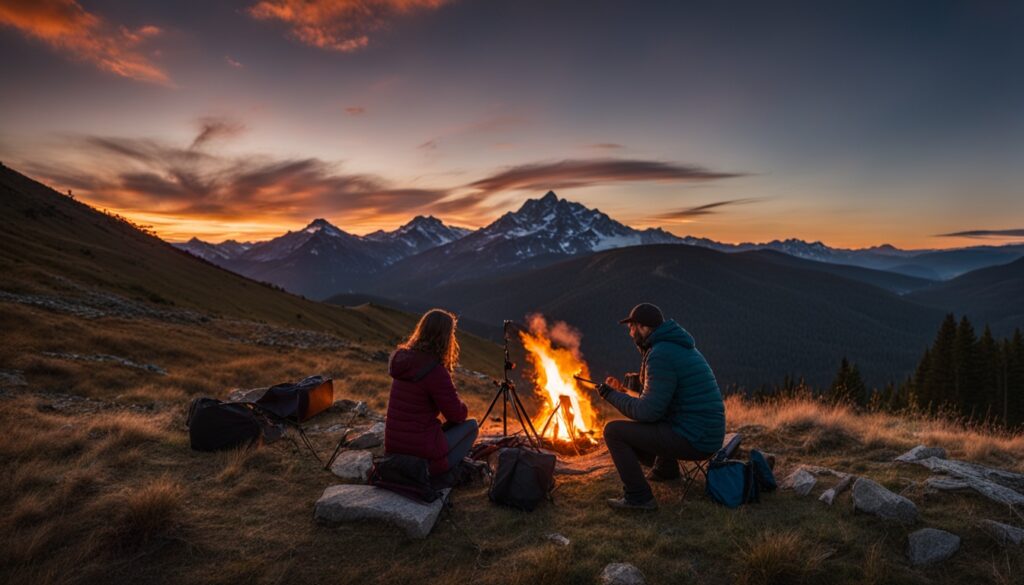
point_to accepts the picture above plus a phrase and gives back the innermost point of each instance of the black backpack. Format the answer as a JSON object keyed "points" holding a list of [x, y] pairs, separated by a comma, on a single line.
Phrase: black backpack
{"points": [[523, 478], [214, 425], [405, 475]]}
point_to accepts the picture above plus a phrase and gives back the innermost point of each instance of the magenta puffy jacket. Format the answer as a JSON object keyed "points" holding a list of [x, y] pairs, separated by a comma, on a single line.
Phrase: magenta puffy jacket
{"points": [[421, 390]]}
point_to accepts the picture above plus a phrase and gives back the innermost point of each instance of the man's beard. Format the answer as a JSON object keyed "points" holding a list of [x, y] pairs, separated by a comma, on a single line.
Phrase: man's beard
{"points": [[638, 339]]}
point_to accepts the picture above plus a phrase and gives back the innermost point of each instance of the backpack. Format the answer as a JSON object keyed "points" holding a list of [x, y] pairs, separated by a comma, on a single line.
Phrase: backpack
{"points": [[406, 475], [300, 401], [762, 471], [731, 482], [214, 425], [523, 478]]}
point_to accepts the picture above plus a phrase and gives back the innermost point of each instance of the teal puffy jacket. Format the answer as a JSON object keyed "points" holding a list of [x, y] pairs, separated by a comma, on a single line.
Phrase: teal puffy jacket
{"points": [[679, 387]]}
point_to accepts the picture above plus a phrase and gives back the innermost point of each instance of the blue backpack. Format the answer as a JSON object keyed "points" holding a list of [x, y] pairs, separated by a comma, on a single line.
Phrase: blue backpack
{"points": [[731, 482]]}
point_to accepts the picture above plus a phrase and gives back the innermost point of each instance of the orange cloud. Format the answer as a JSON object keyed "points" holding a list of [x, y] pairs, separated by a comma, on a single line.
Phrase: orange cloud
{"points": [[70, 29], [338, 25]]}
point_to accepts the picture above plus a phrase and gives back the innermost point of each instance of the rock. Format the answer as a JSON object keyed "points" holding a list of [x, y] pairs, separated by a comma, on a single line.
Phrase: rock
{"points": [[622, 574], [1003, 533], [965, 470], [369, 438], [966, 478], [11, 378], [557, 538], [930, 545], [829, 495], [348, 503], [921, 452], [800, 481], [869, 496], [353, 465]]}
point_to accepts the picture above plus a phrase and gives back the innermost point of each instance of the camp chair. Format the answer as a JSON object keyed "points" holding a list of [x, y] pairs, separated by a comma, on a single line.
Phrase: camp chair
{"points": [[691, 470]]}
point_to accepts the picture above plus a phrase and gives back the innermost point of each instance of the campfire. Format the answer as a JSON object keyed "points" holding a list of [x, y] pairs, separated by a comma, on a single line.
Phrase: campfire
{"points": [[567, 421]]}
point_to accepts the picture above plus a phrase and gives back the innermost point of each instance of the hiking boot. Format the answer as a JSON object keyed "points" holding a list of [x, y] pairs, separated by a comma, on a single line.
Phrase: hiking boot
{"points": [[655, 476], [624, 504]]}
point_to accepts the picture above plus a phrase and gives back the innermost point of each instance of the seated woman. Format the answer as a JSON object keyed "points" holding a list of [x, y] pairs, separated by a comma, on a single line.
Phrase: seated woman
{"points": [[422, 388]]}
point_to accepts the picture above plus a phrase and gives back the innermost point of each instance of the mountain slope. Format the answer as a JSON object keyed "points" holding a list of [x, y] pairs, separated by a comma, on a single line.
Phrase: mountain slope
{"points": [[540, 232], [54, 249], [756, 319], [993, 296], [891, 281]]}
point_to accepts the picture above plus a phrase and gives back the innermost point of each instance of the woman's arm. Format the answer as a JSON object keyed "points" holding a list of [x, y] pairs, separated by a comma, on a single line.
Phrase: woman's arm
{"points": [[442, 391]]}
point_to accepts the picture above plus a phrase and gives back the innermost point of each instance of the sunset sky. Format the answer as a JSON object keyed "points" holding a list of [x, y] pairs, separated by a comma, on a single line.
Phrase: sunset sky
{"points": [[855, 124]]}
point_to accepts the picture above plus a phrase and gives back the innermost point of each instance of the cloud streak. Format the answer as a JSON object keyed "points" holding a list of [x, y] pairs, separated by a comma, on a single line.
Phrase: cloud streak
{"points": [[701, 210], [1010, 233], [83, 36], [214, 128], [586, 172], [338, 25]]}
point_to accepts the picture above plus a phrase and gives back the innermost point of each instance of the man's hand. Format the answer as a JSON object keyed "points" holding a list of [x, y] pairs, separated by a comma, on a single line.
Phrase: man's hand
{"points": [[603, 390], [614, 383]]}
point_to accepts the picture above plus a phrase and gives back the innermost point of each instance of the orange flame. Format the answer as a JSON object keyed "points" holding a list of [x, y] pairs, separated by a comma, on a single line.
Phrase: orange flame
{"points": [[555, 367]]}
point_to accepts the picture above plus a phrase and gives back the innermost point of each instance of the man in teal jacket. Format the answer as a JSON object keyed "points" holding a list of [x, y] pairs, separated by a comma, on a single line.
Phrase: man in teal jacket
{"points": [[678, 415]]}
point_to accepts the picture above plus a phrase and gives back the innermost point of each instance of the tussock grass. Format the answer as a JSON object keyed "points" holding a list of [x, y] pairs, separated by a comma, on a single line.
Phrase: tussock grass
{"points": [[778, 558], [147, 512]]}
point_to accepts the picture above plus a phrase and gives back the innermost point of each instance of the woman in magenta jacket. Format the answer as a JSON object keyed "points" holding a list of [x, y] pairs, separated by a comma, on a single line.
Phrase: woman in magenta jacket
{"points": [[422, 389]]}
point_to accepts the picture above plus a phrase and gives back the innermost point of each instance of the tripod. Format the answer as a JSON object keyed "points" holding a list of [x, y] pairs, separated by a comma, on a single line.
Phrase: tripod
{"points": [[508, 395]]}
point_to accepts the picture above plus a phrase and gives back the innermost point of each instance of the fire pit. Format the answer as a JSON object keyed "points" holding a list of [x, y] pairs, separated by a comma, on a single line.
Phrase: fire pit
{"points": [[567, 421]]}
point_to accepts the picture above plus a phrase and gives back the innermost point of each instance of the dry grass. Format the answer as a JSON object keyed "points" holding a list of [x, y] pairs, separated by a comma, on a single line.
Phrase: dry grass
{"points": [[778, 558], [108, 486]]}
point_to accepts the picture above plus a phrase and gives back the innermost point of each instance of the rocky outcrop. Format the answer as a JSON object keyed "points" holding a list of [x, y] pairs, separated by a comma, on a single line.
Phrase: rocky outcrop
{"points": [[921, 452], [931, 545], [871, 497], [997, 485]]}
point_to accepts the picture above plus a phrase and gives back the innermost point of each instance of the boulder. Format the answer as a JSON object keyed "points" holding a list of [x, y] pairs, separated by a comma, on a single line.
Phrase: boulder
{"points": [[930, 545], [622, 574], [871, 497], [1003, 533], [990, 490], [922, 452], [369, 438], [800, 481], [348, 503], [353, 465]]}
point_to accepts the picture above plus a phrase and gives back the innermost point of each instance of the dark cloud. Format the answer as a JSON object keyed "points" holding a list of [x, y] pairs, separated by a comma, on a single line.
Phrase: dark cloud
{"points": [[606, 146], [706, 209], [585, 172], [212, 128], [1010, 233], [355, 110]]}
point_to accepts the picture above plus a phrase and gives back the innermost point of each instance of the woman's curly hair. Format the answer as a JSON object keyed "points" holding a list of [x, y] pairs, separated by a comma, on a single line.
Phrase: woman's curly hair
{"points": [[435, 334]]}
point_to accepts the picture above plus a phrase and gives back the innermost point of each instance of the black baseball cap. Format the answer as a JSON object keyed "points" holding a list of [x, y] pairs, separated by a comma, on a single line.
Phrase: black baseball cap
{"points": [[645, 314]]}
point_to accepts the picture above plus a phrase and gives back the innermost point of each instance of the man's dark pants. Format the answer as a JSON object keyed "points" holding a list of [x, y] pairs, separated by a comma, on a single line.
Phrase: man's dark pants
{"points": [[654, 444]]}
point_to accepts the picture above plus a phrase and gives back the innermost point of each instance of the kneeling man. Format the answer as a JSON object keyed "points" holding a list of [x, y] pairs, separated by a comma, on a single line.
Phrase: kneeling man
{"points": [[679, 414]]}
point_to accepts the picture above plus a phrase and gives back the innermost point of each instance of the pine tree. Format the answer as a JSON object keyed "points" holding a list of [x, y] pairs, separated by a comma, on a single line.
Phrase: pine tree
{"points": [[848, 385], [989, 369], [939, 389], [965, 396]]}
